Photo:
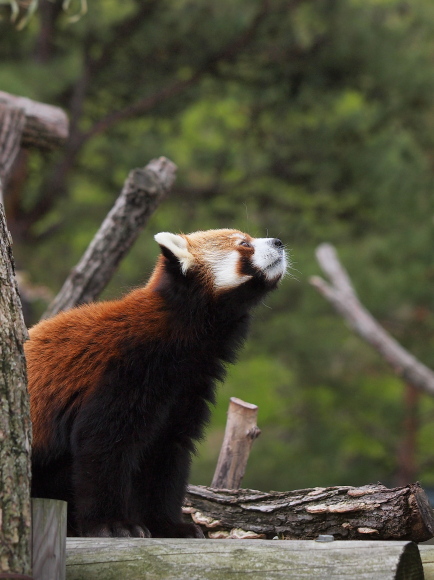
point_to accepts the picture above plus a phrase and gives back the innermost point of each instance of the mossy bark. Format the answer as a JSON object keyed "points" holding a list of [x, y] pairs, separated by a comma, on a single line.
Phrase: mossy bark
{"points": [[15, 427]]}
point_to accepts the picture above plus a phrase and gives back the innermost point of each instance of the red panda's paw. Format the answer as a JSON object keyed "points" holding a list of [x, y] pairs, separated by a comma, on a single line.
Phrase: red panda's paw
{"points": [[179, 530], [117, 530]]}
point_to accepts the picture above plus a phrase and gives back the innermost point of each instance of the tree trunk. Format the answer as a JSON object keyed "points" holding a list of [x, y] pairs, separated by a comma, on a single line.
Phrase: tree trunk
{"points": [[371, 512], [15, 429]]}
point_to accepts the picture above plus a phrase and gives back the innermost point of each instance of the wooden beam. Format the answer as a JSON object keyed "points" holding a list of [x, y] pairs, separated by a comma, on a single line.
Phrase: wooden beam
{"points": [[114, 558], [45, 127]]}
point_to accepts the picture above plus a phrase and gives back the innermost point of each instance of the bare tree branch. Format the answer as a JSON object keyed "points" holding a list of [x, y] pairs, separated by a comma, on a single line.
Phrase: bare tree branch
{"points": [[143, 190], [45, 127], [340, 293]]}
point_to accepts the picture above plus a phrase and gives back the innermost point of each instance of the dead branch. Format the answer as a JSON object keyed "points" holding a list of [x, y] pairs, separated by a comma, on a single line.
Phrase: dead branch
{"points": [[347, 513], [241, 431], [340, 293], [12, 121], [143, 190], [45, 127]]}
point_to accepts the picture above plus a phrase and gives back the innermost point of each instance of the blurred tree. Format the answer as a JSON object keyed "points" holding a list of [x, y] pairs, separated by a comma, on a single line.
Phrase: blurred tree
{"points": [[312, 120]]}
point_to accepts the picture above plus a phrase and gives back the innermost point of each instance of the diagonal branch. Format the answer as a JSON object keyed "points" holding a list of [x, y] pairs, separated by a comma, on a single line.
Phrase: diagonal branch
{"points": [[341, 295], [143, 190]]}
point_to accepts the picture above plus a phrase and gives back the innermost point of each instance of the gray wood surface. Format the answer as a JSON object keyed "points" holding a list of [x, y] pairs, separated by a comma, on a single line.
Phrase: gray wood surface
{"points": [[427, 555], [146, 559], [49, 539]]}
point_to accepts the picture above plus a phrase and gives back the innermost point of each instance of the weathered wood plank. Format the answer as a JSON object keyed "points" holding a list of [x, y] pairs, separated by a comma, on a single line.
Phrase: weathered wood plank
{"points": [[146, 559], [48, 539], [427, 555]]}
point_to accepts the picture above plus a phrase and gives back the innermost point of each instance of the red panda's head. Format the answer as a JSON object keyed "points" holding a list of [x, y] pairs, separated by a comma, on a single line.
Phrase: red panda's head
{"points": [[225, 259]]}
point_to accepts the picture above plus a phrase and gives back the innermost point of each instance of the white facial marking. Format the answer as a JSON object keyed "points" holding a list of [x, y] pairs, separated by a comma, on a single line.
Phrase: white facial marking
{"points": [[269, 258], [224, 266]]}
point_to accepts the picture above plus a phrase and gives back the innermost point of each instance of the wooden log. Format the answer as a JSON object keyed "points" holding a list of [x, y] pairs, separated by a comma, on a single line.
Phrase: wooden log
{"points": [[133, 559], [49, 539], [15, 428], [45, 127], [369, 512], [143, 190], [241, 430]]}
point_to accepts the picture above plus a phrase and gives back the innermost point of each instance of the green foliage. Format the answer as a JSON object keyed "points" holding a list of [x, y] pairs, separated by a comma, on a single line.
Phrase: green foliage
{"points": [[314, 124]]}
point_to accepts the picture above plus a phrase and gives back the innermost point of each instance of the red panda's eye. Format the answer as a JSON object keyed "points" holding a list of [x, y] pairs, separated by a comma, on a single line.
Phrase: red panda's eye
{"points": [[245, 244]]}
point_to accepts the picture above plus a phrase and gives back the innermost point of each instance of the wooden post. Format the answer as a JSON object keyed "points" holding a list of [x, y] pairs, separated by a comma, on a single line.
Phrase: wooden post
{"points": [[241, 430], [49, 539]]}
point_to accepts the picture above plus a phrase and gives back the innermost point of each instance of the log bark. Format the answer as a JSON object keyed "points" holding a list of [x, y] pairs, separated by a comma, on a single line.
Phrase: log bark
{"points": [[12, 121], [143, 190], [340, 293], [371, 512], [45, 127], [15, 429], [241, 430]]}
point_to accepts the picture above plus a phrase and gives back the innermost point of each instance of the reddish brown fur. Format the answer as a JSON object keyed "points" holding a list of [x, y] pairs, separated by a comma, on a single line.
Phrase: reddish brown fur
{"points": [[77, 332], [120, 390]]}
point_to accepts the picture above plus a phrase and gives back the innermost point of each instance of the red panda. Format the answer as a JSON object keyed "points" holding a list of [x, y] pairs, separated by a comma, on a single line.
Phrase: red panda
{"points": [[120, 390]]}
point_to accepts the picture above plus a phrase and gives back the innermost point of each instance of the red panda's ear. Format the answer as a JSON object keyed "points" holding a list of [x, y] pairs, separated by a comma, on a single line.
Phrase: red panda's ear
{"points": [[177, 246]]}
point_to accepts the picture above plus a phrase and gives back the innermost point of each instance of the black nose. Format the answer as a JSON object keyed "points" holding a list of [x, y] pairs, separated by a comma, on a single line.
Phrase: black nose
{"points": [[277, 243]]}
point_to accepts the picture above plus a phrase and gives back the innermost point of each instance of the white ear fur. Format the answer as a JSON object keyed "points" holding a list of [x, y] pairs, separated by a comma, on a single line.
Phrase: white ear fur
{"points": [[178, 246]]}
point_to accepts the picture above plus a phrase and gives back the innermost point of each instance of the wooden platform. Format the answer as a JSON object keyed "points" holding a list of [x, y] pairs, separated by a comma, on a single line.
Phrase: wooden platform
{"points": [[173, 559]]}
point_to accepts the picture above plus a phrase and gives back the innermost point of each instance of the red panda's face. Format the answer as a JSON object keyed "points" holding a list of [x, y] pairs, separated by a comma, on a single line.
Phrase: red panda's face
{"points": [[226, 258]]}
